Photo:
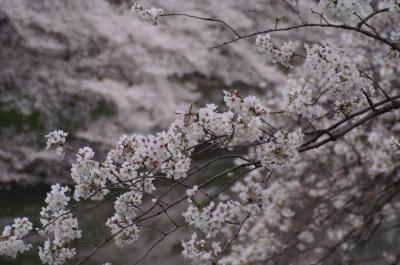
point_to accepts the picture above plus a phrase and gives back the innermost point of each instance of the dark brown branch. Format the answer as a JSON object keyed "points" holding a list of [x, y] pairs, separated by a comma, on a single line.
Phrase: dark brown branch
{"points": [[375, 83], [363, 21], [234, 237], [316, 25], [369, 34], [205, 19], [294, 10], [320, 133], [371, 104], [105, 241], [164, 235], [335, 136]]}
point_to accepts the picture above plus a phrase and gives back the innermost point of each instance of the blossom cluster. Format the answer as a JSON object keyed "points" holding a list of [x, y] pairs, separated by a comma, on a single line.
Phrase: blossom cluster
{"points": [[211, 218], [249, 114], [258, 208], [343, 10], [282, 55], [59, 227], [260, 235], [198, 252], [280, 152], [12, 238], [298, 100], [58, 138], [335, 71], [122, 223], [90, 179], [151, 14]]}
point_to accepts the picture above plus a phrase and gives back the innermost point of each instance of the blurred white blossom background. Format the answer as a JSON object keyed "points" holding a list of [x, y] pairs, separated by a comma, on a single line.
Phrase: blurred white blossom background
{"points": [[94, 69]]}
